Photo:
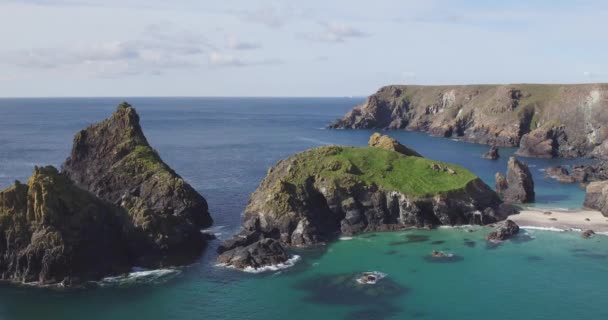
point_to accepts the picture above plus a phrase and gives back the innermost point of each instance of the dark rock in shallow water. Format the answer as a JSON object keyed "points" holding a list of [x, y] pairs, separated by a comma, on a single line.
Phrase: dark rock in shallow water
{"points": [[413, 238], [503, 231], [470, 243], [53, 232], [262, 253], [343, 289], [518, 185], [587, 234], [438, 242], [113, 160], [442, 257], [492, 154]]}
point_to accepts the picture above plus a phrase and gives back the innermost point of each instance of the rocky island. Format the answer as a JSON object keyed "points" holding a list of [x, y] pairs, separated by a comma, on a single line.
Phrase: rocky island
{"points": [[542, 120], [114, 206], [314, 196]]}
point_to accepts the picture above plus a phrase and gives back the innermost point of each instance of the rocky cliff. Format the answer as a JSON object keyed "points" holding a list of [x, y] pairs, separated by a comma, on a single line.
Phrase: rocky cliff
{"points": [[543, 120], [113, 160], [314, 196], [51, 231], [597, 196]]}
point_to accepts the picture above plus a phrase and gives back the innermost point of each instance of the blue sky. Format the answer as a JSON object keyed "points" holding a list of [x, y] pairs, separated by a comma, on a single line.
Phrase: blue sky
{"points": [[292, 48]]}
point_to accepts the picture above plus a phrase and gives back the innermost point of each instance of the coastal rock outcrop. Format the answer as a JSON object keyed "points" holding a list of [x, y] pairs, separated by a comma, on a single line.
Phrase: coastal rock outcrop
{"points": [[492, 154], [314, 196], [113, 160], [518, 185], [579, 173], [503, 231], [53, 232], [543, 120], [597, 196], [378, 140]]}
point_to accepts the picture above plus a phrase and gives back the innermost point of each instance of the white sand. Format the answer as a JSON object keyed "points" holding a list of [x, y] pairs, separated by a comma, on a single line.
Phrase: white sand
{"points": [[562, 219]]}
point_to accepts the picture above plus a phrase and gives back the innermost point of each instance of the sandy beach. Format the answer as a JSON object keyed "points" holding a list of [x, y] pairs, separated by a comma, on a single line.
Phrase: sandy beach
{"points": [[562, 219]]}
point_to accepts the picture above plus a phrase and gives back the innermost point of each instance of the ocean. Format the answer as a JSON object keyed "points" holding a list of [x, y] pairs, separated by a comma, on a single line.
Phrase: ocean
{"points": [[224, 146]]}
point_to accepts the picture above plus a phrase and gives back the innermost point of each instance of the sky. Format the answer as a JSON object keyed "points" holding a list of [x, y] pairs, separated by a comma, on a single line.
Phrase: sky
{"points": [[59, 48]]}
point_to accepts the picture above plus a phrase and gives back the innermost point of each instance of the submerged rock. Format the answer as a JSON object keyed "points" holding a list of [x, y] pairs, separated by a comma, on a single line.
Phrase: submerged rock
{"points": [[316, 195], [113, 160], [53, 232], [587, 234], [597, 196], [518, 185], [503, 231], [378, 140], [492, 154]]}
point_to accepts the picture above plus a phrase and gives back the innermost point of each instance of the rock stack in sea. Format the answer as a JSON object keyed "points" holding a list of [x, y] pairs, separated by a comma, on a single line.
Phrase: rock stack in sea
{"points": [[113, 160], [52, 231], [114, 206], [492, 154], [314, 196], [518, 185]]}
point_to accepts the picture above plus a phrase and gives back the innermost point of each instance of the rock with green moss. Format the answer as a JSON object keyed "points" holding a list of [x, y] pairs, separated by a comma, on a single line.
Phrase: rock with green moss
{"points": [[54, 232], [113, 160], [316, 195]]}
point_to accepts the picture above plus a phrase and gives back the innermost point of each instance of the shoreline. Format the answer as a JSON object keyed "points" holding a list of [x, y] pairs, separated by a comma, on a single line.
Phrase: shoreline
{"points": [[559, 219]]}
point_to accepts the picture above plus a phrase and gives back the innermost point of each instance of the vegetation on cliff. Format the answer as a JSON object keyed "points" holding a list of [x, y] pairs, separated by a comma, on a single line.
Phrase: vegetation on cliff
{"points": [[52, 231], [543, 120], [315, 195], [113, 160]]}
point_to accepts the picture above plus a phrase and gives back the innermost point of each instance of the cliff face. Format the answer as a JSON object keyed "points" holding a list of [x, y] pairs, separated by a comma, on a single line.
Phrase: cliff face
{"points": [[114, 161], [543, 120], [316, 195], [51, 232]]}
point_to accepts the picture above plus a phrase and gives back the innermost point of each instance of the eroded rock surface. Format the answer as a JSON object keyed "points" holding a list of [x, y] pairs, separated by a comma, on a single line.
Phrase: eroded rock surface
{"points": [[53, 232], [543, 120], [381, 141], [503, 231], [315, 196], [518, 185], [492, 154], [113, 160], [597, 196]]}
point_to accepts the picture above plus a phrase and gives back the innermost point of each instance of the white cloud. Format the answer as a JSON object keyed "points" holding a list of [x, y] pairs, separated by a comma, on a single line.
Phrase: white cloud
{"points": [[336, 33], [234, 43], [269, 16], [159, 48], [219, 59]]}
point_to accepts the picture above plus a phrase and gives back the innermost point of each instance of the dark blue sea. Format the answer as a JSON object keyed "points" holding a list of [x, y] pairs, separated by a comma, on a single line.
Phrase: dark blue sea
{"points": [[224, 147]]}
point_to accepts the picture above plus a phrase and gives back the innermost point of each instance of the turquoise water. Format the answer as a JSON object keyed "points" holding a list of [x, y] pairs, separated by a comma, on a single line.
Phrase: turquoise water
{"points": [[224, 146], [552, 276]]}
